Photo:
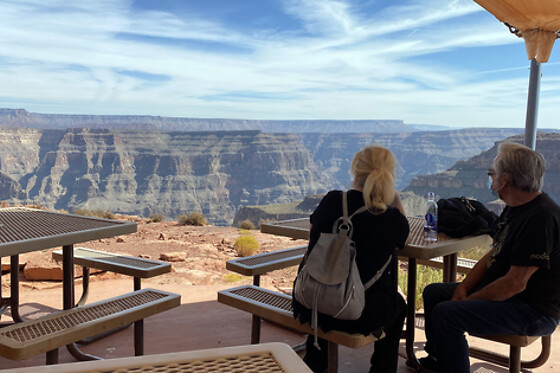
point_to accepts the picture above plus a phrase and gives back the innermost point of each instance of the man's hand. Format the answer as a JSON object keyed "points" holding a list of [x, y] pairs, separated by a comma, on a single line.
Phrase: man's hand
{"points": [[460, 293]]}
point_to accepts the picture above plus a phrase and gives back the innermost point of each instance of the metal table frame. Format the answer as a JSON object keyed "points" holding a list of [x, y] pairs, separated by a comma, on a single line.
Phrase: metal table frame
{"points": [[25, 230]]}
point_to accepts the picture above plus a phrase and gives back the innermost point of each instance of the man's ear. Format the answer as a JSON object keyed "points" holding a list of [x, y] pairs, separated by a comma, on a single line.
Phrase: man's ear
{"points": [[505, 179]]}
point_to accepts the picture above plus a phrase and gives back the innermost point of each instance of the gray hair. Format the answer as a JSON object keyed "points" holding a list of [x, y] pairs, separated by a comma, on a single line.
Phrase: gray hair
{"points": [[524, 166]]}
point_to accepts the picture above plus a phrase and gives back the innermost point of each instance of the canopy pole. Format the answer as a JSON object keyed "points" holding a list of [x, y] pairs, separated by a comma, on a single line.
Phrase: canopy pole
{"points": [[533, 104]]}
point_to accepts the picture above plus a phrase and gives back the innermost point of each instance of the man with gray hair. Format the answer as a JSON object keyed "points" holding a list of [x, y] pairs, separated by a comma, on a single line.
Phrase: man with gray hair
{"points": [[515, 287]]}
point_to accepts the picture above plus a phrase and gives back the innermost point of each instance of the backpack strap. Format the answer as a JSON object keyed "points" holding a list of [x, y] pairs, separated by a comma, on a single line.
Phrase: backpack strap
{"points": [[344, 223], [376, 277]]}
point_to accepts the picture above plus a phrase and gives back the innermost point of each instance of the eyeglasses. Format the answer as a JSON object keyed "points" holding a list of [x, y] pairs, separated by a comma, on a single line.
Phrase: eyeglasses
{"points": [[490, 172]]}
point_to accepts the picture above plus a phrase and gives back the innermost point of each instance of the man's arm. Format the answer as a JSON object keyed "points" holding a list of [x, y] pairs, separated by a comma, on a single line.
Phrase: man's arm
{"points": [[473, 278], [507, 286]]}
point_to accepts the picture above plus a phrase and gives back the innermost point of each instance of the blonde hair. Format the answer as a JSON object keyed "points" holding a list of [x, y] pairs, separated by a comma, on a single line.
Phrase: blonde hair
{"points": [[373, 168]]}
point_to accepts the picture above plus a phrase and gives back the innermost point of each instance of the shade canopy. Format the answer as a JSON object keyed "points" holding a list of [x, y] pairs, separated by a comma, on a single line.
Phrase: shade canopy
{"points": [[536, 21]]}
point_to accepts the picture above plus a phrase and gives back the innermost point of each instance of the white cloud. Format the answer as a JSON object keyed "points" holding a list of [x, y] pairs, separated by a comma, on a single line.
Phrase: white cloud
{"points": [[346, 61]]}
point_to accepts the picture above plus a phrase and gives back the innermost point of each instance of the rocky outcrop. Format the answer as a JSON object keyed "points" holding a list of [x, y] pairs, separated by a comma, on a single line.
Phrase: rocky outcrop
{"points": [[264, 213], [469, 178], [145, 172], [417, 153]]}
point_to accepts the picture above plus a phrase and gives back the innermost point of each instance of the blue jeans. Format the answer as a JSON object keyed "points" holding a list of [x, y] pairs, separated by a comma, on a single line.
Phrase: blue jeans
{"points": [[447, 321]]}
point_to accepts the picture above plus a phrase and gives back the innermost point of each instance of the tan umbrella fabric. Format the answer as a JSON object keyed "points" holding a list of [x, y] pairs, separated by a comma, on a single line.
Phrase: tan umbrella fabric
{"points": [[538, 22]]}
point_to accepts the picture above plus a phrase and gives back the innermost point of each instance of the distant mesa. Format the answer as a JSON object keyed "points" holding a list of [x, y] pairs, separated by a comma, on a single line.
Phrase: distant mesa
{"points": [[23, 118]]}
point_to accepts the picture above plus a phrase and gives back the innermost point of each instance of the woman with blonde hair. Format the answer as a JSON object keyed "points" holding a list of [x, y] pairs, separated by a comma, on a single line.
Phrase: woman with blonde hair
{"points": [[377, 233]]}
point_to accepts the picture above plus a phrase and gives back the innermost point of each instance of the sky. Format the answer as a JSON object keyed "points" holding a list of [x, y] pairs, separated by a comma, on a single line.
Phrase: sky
{"points": [[440, 62]]}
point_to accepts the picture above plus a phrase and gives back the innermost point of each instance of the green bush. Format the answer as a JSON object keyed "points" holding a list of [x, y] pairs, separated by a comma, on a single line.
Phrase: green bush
{"points": [[246, 246], [232, 277], [246, 224], [156, 218], [244, 232], [424, 276]]}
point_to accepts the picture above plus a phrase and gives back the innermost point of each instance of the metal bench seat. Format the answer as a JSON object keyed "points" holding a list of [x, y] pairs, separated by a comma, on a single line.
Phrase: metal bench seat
{"points": [[123, 264], [48, 333], [277, 308]]}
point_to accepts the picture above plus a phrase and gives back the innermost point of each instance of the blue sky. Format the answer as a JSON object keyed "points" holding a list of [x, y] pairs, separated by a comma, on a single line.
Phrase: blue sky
{"points": [[438, 62]]}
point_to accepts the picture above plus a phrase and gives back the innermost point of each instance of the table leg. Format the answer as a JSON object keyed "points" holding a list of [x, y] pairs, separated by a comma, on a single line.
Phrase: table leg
{"points": [[68, 295], [449, 275], [412, 361], [14, 288], [68, 276], [450, 268], [256, 320]]}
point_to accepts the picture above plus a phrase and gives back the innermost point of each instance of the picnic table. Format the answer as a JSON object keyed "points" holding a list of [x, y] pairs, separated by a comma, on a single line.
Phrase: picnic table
{"points": [[416, 248], [25, 230]]}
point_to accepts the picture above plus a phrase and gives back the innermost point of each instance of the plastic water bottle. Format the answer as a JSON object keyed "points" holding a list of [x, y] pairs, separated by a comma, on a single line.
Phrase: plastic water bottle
{"points": [[431, 218]]}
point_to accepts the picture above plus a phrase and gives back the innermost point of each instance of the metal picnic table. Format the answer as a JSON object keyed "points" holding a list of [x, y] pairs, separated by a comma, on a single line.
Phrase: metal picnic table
{"points": [[416, 248], [25, 230]]}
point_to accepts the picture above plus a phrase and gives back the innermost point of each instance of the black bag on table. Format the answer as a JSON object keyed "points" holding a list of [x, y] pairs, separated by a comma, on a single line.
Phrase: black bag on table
{"points": [[460, 217]]}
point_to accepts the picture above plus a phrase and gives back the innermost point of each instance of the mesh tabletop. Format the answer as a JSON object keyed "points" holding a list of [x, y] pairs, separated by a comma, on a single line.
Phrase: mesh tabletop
{"points": [[24, 229], [416, 245], [260, 358]]}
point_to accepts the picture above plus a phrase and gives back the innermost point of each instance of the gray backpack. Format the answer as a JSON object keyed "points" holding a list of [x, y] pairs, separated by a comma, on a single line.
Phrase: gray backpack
{"points": [[329, 281]]}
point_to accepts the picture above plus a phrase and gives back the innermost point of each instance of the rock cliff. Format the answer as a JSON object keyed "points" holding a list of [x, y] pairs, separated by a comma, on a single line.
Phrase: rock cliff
{"points": [[417, 153], [144, 172], [469, 178]]}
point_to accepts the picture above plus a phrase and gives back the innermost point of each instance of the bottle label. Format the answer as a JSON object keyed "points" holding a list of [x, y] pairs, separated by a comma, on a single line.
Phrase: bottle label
{"points": [[431, 220]]}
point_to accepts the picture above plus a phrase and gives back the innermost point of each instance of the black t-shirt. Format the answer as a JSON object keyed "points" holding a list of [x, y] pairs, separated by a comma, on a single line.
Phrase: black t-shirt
{"points": [[529, 235], [376, 237]]}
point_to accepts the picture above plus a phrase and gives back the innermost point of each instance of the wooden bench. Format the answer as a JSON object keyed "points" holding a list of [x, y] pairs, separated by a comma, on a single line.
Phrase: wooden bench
{"points": [[277, 308], [48, 333]]}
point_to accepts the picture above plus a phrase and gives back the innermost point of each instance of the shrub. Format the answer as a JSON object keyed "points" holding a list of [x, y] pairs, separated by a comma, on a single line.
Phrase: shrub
{"points": [[262, 221], [95, 213], [182, 219], [244, 232], [194, 218], [232, 277], [424, 276], [156, 218], [246, 246], [246, 224]]}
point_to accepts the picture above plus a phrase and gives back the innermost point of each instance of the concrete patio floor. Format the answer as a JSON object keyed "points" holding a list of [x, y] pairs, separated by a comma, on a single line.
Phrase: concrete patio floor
{"points": [[201, 322]]}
